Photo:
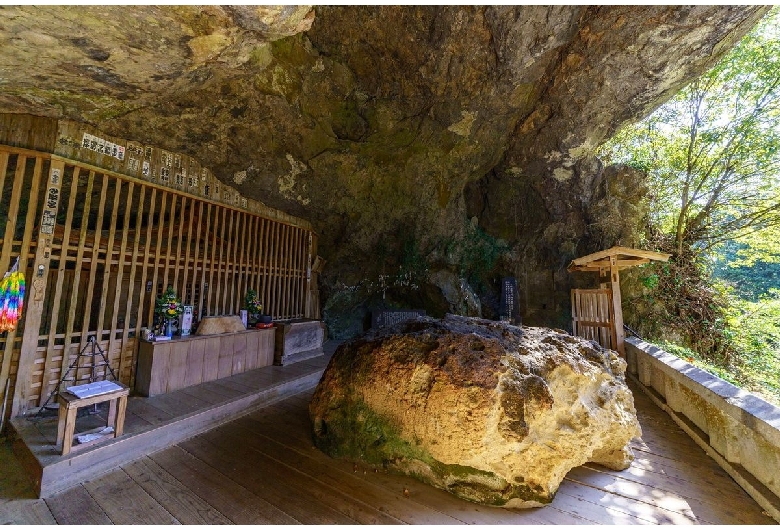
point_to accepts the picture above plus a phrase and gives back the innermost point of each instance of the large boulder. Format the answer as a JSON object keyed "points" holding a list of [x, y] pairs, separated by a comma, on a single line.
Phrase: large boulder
{"points": [[494, 413]]}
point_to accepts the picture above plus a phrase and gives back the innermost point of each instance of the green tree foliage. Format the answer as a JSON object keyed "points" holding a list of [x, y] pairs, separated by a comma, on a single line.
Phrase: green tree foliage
{"points": [[749, 280], [712, 157], [756, 328], [711, 153]]}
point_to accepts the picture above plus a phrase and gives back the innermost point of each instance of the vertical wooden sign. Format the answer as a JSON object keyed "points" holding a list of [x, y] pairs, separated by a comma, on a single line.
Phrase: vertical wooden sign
{"points": [[37, 293]]}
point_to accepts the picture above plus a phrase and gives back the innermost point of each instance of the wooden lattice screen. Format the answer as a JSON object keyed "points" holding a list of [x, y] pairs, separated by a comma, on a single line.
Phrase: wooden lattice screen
{"points": [[116, 242], [592, 315]]}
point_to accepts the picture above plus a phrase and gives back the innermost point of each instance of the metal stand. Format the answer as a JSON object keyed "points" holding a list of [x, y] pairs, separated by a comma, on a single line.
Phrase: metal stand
{"points": [[94, 351]]}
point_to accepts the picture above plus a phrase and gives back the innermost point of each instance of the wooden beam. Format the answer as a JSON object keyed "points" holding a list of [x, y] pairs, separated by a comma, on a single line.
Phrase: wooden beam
{"points": [[230, 265], [311, 250], [145, 267], [209, 289], [244, 252], [76, 286], [23, 392], [120, 276], [106, 291], [5, 263], [157, 252], [189, 261], [285, 274], [60, 280], [617, 308], [3, 169], [251, 252], [268, 267], [129, 302], [605, 263], [271, 213], [172, 220], [277, 271], [298, 266], [180, 262], [86, 310], [202, 299], [221, 272], [262, 266], [621, 251], [196, 302]]}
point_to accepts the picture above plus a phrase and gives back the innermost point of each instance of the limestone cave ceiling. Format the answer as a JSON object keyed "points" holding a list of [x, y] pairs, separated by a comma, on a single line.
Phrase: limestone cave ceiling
{"points": [[379, 124]]}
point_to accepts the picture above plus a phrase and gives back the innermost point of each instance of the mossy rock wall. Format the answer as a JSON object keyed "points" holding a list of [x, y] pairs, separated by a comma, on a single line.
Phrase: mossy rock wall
{"points": [[387, 127]]}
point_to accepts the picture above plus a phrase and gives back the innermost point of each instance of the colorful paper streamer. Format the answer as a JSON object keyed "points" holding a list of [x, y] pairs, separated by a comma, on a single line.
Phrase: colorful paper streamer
{"points": [[12, 289]]}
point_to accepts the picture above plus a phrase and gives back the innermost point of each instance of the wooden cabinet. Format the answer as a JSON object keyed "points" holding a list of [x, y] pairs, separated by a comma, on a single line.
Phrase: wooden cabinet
{"points": [[185, 361], [297, 340]]}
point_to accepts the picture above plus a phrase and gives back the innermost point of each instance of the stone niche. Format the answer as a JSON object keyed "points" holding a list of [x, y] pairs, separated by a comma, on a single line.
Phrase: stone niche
{"points": [[491, 412]]}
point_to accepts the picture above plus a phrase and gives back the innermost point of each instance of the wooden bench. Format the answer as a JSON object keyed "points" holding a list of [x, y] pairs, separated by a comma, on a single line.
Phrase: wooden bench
{"points": [[70, 404]]}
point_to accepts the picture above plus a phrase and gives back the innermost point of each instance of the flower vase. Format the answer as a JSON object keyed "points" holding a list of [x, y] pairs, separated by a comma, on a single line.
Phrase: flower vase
{"points": [[169, 327]]}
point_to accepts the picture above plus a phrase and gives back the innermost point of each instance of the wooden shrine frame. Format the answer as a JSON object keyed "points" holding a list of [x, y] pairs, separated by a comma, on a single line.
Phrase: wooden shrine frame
{"points": [[611, 261], [97, 247]]}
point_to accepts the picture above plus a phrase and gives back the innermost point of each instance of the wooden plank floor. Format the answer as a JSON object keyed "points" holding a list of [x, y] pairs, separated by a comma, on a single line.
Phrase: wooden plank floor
{"points": [[154, 423], [263, 469], [146, 413]]}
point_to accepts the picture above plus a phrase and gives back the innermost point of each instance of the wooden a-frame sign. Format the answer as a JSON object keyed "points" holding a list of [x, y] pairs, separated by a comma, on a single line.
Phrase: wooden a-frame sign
{"points": [[613, 260]]}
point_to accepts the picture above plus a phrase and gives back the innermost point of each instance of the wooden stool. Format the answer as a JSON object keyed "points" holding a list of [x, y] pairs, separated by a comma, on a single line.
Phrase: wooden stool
{"points": [[70, 404]]}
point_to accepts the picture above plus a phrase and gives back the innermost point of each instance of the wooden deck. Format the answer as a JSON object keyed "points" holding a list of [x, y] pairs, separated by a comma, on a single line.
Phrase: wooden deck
{"points": [[262, 469], [154, 423]]}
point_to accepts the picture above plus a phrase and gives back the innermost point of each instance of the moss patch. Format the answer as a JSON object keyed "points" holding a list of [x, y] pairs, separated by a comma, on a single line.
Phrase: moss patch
{"points": [[354, 431]]}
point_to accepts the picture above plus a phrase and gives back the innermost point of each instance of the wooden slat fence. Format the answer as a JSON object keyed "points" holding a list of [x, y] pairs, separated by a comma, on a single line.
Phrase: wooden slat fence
{"points": [[593, 317], [110, 244]]}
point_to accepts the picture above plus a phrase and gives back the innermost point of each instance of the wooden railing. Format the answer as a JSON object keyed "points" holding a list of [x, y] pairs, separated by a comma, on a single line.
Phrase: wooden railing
{"points": [[739, 430]]}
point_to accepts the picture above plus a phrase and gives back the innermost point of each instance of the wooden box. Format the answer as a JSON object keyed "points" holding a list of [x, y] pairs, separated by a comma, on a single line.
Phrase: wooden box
{"points": [[180, 362], [297, 340]]}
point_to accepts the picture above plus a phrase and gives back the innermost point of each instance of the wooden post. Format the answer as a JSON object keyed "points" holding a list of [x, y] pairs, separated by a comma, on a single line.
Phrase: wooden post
{"points": [[146, 265], [52, 375], [198, 266], [218, 266], [129, 366], [309, 311], [167, 266], [187, 293], [93, 267], [157, 252], [120, 275], [35, 299], [617, 306], [207, 286], [179, 263], [5, 263]]}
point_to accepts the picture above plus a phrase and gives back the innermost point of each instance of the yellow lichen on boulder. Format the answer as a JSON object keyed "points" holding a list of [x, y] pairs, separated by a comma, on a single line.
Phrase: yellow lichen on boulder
{"points": [[491, 412]]}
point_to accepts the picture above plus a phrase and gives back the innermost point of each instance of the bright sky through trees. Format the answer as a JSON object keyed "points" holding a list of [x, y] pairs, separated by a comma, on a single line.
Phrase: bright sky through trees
{"points": [[712, 153], [712, 157]]}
